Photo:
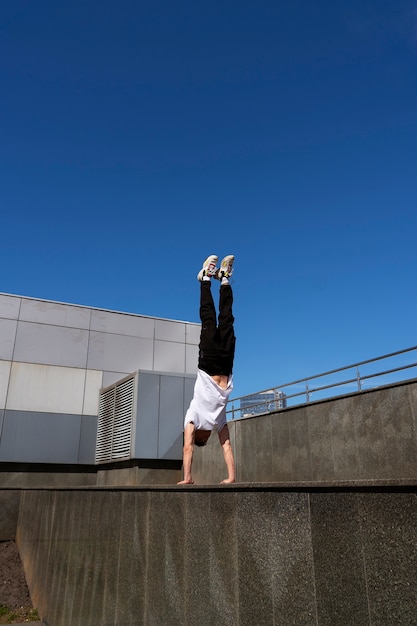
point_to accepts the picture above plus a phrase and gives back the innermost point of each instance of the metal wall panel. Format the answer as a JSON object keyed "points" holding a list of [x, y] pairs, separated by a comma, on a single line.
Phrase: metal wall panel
{"points": [[122, 324], [9, 306], [5, 367], [55, 358], [192, 333], [169, 357], [161, 405], [147, 417], [165, 330], [7, 338], [191, 359], [55, 313], [189, 383], [171, 417], [51, 345], [118, 353], [109, 378], [88, 436], [93, 384], [46, 389], [29, 437]]}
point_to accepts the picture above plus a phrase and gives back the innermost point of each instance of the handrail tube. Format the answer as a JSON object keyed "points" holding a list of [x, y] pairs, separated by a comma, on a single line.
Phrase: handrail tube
{"points": [[308, 391], [396, 369], [340, 369]]}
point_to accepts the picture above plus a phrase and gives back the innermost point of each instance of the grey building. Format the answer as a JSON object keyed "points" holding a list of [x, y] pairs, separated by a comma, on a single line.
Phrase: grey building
{"points": [[55, 361]]}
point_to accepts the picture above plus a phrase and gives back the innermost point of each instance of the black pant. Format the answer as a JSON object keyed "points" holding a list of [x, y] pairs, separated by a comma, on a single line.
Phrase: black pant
{"points": [[217, 342]]}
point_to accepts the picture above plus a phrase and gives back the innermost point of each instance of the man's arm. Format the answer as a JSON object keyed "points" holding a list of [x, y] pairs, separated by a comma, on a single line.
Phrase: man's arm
{"points": [[187, 455], [224, 439]]}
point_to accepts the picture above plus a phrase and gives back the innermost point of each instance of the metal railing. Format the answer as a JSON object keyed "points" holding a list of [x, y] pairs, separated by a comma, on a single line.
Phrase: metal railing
{"points": [[323, 386]]}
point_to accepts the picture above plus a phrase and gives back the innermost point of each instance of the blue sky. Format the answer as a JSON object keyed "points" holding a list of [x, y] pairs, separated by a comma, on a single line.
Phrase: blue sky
{"points": [[139, 137]]}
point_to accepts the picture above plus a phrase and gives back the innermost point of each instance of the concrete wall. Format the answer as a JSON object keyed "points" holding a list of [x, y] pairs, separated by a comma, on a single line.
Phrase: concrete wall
{"points": [[369, 435], [366, 435], [230, 556], [327, 535], [55, 357]]}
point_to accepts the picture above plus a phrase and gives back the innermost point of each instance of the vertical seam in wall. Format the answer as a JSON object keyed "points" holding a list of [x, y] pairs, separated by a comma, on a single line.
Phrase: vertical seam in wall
{"points": [[159, 415], [86, 363], [6, 399], [153, 345], [85, 384], [17, 326]]}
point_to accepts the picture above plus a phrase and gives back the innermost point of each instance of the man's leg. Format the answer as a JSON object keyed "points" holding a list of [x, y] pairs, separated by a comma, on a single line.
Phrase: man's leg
{"points": [[226, 332], [207, 308], [208, 359]]}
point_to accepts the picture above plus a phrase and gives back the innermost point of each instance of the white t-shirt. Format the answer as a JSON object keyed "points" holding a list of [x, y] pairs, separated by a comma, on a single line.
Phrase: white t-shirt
{"points": [[207, 410]]}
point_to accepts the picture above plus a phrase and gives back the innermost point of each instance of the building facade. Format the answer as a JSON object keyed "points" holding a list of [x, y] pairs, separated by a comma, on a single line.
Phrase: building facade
{"points": [[56, 357]]}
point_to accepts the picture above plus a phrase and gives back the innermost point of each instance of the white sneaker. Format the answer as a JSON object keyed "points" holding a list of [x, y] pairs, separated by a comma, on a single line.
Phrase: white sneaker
{"points": [[226, 267], [209, 267]]}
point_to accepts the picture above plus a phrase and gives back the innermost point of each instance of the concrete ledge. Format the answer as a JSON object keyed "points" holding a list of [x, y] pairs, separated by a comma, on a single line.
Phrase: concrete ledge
{"points": [[244, 554], [304, 485]]}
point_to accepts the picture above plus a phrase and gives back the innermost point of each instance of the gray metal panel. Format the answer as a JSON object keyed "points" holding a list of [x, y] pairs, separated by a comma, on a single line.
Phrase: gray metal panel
{"points": [[4, 381], [93, 384], [169, 357], [192, 333], [119, 353], [7, 338], [122, 324], [88, 436], [189, 383], [170, 331], [171, 417], [51, 345], [146, 437], [1, 421], [29, 437], [9, 306], [46, 388], [55, 313], [191, 359], [109, 378]]}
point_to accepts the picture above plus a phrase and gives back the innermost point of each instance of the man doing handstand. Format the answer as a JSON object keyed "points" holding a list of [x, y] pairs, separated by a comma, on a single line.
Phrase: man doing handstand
{"points": [[207, 411]]}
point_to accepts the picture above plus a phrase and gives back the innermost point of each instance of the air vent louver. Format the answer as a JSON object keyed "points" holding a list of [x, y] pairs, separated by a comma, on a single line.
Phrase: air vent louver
{"points": [[115, 421]]}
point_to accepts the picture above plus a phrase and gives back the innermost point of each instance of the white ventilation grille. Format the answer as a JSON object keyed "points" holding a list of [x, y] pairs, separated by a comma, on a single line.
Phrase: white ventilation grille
{"points": [[115, 421]]}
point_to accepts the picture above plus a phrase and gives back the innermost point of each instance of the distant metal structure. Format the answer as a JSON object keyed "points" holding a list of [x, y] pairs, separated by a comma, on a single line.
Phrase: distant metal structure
{"points": [[263, 402], [322, 386]]}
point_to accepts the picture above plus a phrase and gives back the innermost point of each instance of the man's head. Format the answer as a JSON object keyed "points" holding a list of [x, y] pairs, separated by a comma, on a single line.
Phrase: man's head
{"points": [[201, 437]]}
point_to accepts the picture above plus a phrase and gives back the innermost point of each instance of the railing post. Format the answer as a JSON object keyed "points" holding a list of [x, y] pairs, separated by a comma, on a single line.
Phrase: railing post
{"points": [[307, 393], [358, 378]]}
